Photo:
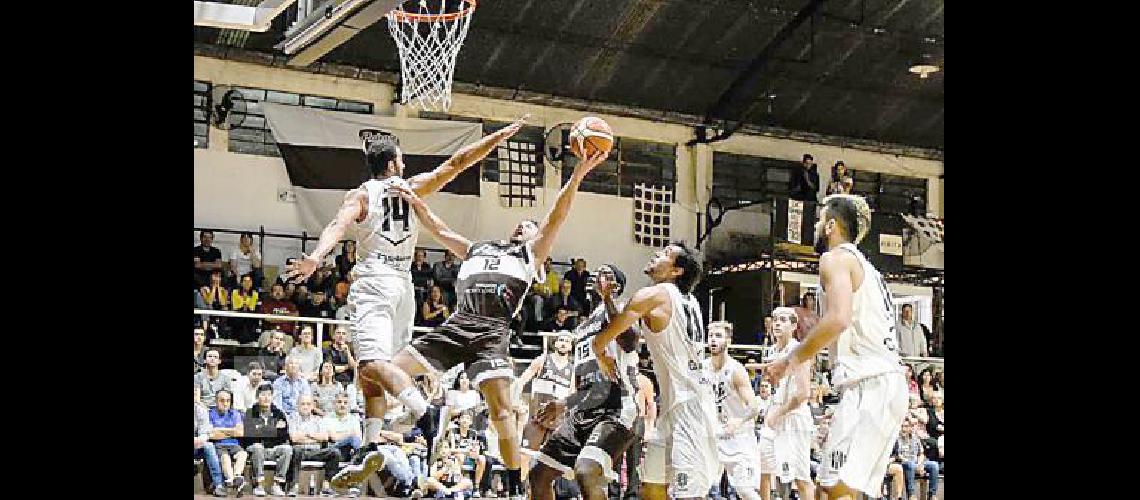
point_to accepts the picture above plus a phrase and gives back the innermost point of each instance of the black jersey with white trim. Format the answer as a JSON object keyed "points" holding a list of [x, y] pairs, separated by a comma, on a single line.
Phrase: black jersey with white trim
{"points": [[495, 277]]}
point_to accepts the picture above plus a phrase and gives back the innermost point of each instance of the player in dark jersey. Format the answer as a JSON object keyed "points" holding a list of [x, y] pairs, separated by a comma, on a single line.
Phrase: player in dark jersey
{"points": [[598, 426], [492, 282], [549, 382]]}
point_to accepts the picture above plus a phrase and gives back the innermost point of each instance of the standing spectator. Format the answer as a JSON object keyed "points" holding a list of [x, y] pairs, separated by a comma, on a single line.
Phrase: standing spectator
{"points": [[207, 258], [227, 428], [564, 299], [445, 272], [288, 390], [579, 276], [340, 353], [346, 260], [422, 275], [272, 356], [318, 306], [244, 299], [246, 259], [199, 349], [308, 433], [911, 334], [911, 451], [343, 427], [279, 306], [267, 436], [927, 387], [245, 389], [804, 184], [204, 449], [435, 309], [308, 356], [841, 179], [325, 390], [210, 379], [808, 312], [462, 397]]}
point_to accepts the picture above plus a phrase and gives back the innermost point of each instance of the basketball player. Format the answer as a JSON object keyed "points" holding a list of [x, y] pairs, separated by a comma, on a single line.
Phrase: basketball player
{"points": [[737, 408], [551, 376], [860, 320], [381, 298], [683, 458], [598, 427], [492, 281], [789, 415]]}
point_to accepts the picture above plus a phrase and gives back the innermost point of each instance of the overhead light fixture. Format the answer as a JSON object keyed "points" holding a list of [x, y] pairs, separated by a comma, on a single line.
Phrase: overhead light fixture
{"points": [[925, 66]]}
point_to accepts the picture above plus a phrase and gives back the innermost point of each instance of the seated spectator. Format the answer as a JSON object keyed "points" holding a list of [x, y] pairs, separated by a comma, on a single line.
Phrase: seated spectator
{"points": [[912, 453], [214, 293], [272, 356], [245, 388], [564, 300], [470, 445], [318, 306], [434, 310], [563, 320], [278, 305], [301, 296], [245, 259], [227, 428], [267, 437], [422, 275], [911, 334], [926, 385], [290, 388], [207, 259], [462, 397], [340, 353], [939, 379], [244, 299], [340, 295], [205, 449], [804, 183], [841, 179], [935, 424], [210, 379], [896, 475], [343, 427], [919, 413], [579, 277], [911, 383], [322, 280], [309, 435], [541, 293], [326, 390], [444, 274], [346, 260], [199, 349], [308, 356], [447, 479]]}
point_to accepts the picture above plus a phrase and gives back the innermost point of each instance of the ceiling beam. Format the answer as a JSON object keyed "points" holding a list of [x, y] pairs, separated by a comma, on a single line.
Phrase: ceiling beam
{"points": [[604, 63], [550, 46]]}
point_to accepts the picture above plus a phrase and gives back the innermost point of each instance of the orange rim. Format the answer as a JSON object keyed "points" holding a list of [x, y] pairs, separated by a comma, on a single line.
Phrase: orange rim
{"points": [[400, 15]]}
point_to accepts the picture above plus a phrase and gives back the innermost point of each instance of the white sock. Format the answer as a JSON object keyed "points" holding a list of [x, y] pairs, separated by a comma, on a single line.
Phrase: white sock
{"points": [[372, 428], [413, 401]]}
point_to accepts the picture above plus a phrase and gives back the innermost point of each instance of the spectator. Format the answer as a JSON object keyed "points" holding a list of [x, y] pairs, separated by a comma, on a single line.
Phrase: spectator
{"points": [[301, 296], [764, 337], [422, 275], [322, 280], [564, 299], [199, 349], [926, 385], [244, 299], [346, 260], [210, 379], [911, 334], [214, 294], [808, 312], [308, 356], [939, 380], [325, 390], [205, 449], [841, 179], [918, 413], [935, 423], [579, 276], [272, 356], [246, 259], [911, 451], [911, 383], [815, 400], [207, 258], [445, 272], [561, 321], [308, 434], [290, 287], [340, 295], [434, 310], [447, 472], [279, 306], [288, 390], [549, 287], [804, 184], [318, 306], [267, 436], [245, 390], [462, 397], [340, 353], [227, 428], [343, 427], [896, 475], [541, 293], [470, 445]]}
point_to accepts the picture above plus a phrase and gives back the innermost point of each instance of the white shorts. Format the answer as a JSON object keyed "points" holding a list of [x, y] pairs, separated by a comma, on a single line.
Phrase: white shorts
{"points": [[863, 430], [739, 455], [382, 310], [684, 455], [792, 447], [767, 454]]}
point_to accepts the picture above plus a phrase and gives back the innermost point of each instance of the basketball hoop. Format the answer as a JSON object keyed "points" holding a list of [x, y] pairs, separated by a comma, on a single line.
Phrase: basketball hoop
{"points": [[429, 37]]}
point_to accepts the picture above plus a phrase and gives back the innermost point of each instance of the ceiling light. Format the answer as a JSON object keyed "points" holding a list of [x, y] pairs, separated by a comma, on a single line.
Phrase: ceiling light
{"points": [[925, 66]]}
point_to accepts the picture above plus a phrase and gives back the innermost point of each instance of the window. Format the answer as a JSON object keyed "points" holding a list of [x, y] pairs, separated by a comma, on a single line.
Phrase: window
{"points": [[631, 162], [516, 165], [201, 114], [746, 178], [253, 135], [891, 193]]}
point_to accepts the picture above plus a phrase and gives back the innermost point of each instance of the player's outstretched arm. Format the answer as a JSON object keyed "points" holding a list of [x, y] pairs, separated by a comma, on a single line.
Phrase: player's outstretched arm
{"points": [[430, 182], [548, 230], [450, 239], [798, 393], [743, 388], [638, 307], [354, 207]]}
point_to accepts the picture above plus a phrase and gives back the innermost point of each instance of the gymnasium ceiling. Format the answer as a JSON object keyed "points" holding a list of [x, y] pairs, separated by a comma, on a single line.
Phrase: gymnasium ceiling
{"points": [[842, 70]]}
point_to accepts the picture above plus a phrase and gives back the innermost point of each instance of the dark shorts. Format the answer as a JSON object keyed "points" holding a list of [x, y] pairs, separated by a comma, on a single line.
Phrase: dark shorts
{"points": [[483, 344], [594, 427]]}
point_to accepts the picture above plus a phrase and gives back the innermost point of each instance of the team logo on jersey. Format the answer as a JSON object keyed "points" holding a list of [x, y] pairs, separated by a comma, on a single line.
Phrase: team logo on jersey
{"points": [[681, 480]]}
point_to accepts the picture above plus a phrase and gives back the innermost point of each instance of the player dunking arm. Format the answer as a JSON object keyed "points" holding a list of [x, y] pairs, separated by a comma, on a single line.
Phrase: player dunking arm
{"points": [[737, 409], [492, 281], [789, 415], [382, 299], [860, 320], [683, 458]]}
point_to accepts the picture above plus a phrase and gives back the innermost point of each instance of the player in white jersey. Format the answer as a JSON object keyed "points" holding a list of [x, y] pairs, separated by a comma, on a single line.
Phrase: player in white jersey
{"points": [[382, 298], [683, 458], [737, 408], [789, 415], [860, 320]]}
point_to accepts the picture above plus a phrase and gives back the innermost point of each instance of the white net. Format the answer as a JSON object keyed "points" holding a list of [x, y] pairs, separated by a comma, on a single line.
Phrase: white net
{"points": [[429, 38]]}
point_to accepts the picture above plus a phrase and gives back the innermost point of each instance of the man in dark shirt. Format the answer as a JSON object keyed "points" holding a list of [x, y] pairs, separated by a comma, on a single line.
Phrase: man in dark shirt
{"points": [[445, 273], [804, 184], [207, 258], [340, 353], [561, 321], [578, 276], [267, 436], [272, 356], [318, 306], [563, 299], [277, 305]]}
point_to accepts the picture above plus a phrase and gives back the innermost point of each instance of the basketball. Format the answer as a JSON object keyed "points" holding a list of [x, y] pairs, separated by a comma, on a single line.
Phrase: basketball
{"points": [[590, 135]]}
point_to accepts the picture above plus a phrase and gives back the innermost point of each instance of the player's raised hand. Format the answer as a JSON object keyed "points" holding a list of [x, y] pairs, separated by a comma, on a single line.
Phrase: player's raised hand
{"points": [[301, 269], [513, 128], [585, 166]]}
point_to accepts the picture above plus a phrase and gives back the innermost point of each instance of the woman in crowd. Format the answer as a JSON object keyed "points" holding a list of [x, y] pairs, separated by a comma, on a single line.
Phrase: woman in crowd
{"points": [[199, 349], [421, 275], [841, 179], [462, 397], [246, 259], [912, 384], [326, 389], [435, 309], [927, 385], [935, 425], [346, 260], [244, 299]]}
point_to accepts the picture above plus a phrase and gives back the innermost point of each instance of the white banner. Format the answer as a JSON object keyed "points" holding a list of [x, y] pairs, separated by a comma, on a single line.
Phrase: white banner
{"points": [[795, 220], [891, 244]]}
